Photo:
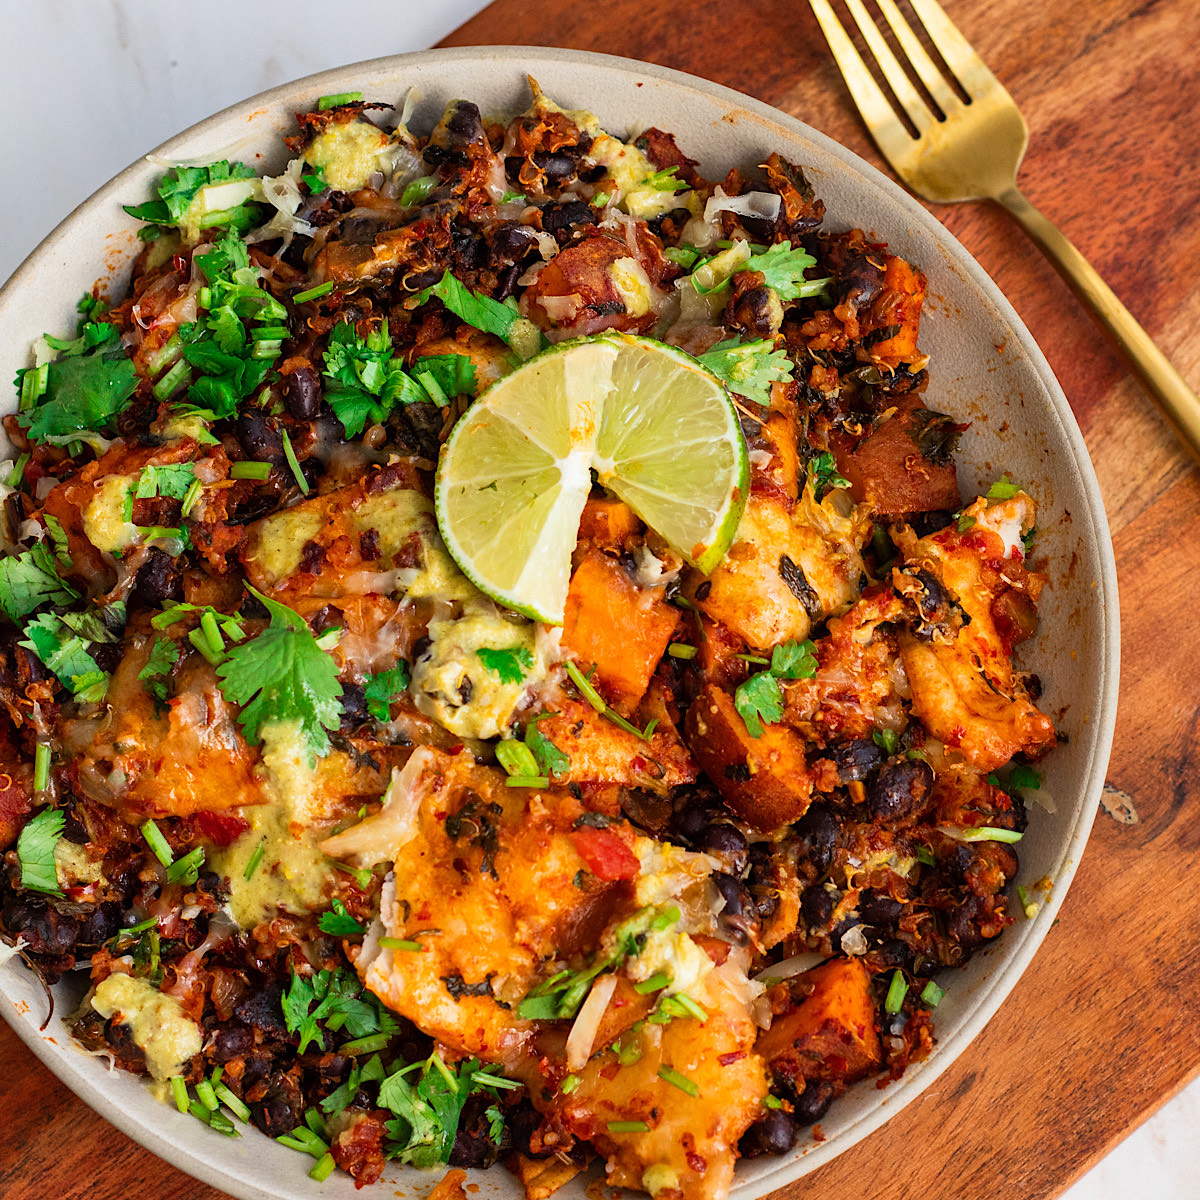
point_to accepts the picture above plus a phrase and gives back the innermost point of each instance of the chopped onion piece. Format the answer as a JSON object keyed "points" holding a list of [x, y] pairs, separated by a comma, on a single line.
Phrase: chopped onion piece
{"points": [[764, 205], [796, 965], [583, 1032], [854, 941]]}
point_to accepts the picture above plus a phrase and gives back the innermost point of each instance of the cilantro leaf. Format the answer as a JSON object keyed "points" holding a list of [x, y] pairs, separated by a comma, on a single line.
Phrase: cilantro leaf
{"points": [[35, 849], [380, 689], [481, 311], [164, 654], [550, 758], [295, 1002], [1003, 489], [823, 472], [58, 535], [495, 1120], [666, 181], [887, 739], [30, 579], [794, 660], [757, 700], [83, 392], [428, 1113], [283, 675], [171, 480], [453, 373], [63, 652], [1019, 778], [783, 270], [339, 923], [510, 665], [179, 187], [749, 368]]}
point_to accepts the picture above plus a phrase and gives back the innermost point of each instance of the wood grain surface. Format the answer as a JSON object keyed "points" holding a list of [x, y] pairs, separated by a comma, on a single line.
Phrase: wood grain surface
{"points": [[1101, 1029]]}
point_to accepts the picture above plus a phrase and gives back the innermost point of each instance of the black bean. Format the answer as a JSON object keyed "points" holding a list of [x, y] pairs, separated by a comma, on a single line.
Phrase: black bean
{"points": [[354, 705], [925, 523], [933, 599], [260, 436], [473, 1145], [556, 165], [895, 953], [812, 1103], [263, 1010], [738, 914], [899, 790], [816, 907], [693, 821], [279, 1111], [818, 833], [464, 124], [232, 1040], [302, 393], [879, 909], [507, 282], [773, 1133], [44, 930], [962, 924], [564, 214], [858, 282], [159, 578], [513, 240], [727, 845], [758, 311], [799, 586], [470, 250], [102, 923], [857, 759]]}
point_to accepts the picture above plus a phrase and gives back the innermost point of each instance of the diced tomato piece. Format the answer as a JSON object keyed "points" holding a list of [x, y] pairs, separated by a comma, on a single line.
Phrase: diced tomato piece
{"points": [[606, 855]]}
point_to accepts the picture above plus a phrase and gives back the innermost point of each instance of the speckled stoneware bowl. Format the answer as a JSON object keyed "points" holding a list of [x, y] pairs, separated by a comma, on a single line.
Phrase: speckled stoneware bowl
{"points": [[986, 369]]}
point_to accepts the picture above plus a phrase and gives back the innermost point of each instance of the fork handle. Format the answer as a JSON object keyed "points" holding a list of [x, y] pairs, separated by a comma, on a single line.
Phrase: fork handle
{"points": [[1179, 404]]}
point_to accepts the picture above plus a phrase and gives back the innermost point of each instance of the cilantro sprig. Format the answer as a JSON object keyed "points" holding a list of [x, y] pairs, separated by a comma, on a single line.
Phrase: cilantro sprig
{"points": [[164, 654], [484, 313], [35, 849], [783, 270], [749, 368], [382, 688], [340, 1003], [283, 675], [508, 665], [30, 579], [760, 699]]}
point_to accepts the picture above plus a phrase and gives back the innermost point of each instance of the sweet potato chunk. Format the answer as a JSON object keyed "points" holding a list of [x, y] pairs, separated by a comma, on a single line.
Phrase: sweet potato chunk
{"points": [[619, 627], [764, 780], [607, 523], [899, 303], [889, 471], [837, 1021]]}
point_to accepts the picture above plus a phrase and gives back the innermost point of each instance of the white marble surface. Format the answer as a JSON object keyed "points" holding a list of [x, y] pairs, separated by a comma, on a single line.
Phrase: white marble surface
{"points": [[90, 84]]}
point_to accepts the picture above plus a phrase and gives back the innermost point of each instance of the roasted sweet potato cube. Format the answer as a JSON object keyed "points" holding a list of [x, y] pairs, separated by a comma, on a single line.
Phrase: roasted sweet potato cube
{"points": [[607, 523], [903, 297], [835, 1022], [764, 780], [889, 470], [619, 627]]}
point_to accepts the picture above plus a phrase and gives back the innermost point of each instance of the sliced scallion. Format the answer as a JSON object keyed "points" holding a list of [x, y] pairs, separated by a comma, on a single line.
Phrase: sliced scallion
{"points": [[681, 650], [655, 983], [294, 463], [675, 1079], [336, 99], [391, 943], [897, 990], [158, 843], [250, 470], [323, 1169], [182, 1100], [365, 1045], [255, 859], [931, 994], [231, 1102], [628, 1127], [41, 766], [314, 293]]}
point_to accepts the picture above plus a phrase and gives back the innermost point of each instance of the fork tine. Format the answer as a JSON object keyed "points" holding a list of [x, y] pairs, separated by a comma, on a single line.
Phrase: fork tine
{"points": [[893, 72], [960, 56], [886, 127], [942, 93]]}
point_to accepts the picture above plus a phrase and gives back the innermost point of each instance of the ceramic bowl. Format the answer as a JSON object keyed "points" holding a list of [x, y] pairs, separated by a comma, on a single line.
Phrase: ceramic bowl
{"points": [[986, 369]]}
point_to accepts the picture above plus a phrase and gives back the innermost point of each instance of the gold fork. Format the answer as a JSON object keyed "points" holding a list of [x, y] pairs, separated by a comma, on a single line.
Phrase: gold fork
{"points": [[973, 153]]}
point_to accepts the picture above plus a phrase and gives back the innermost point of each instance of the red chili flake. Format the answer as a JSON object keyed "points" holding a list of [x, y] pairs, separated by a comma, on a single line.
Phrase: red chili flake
{"points": [[726, 1059]]}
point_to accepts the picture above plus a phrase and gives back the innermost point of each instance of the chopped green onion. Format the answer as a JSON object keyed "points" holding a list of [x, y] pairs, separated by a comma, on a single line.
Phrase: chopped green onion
{"points": [[987, 833], [887, 739], [18, 472], [303, 1139], [418, 190], [206, 1095], [181, 1093], [187, 869], [681, 650], [250, 470], [197, 638], [232, 1103], [323, 1169], [391, 943], [164, 356], [337, 98], [255, 859], [665, 919], [655, 983], [600, 199], [964, 523], [33, 384], [315, 293], [681, 256], [432, 387], [516, 758], [675, 1079], [41, 766], [158, 843], [294, 463], [932, 994], [628, 1127], [529, 781], [174, 379], [366, 1045], [689, 1006], [628, 726], [586, 690], [190, 497], [208, 624], [569, 1084], [896, 992], [316, 1122], [770, 1101], [269, 333], [486, 1079], [925, 855]]}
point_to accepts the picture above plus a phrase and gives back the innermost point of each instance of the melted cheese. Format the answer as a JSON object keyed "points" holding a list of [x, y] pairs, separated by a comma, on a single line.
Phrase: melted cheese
{"points": [[73, 867], [633, 285], [104, 523], [451, 684], [349, 154], [629, 169], [157, 1022]]}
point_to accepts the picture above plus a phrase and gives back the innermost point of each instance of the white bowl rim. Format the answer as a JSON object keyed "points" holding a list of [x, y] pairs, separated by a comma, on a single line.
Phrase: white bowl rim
{"points": [[917, 1078]]}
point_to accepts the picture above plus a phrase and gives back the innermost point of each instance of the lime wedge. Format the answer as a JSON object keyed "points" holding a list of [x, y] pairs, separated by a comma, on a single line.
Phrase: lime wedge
{"points": [[657, 428]]}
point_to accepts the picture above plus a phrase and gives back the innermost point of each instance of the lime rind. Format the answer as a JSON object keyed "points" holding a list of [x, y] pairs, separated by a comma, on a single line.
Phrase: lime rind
{"points": [[657, 426]]}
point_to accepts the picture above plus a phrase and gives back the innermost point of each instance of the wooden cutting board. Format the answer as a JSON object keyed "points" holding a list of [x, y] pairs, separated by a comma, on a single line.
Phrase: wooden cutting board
{"points": [[1102, 1028]]}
